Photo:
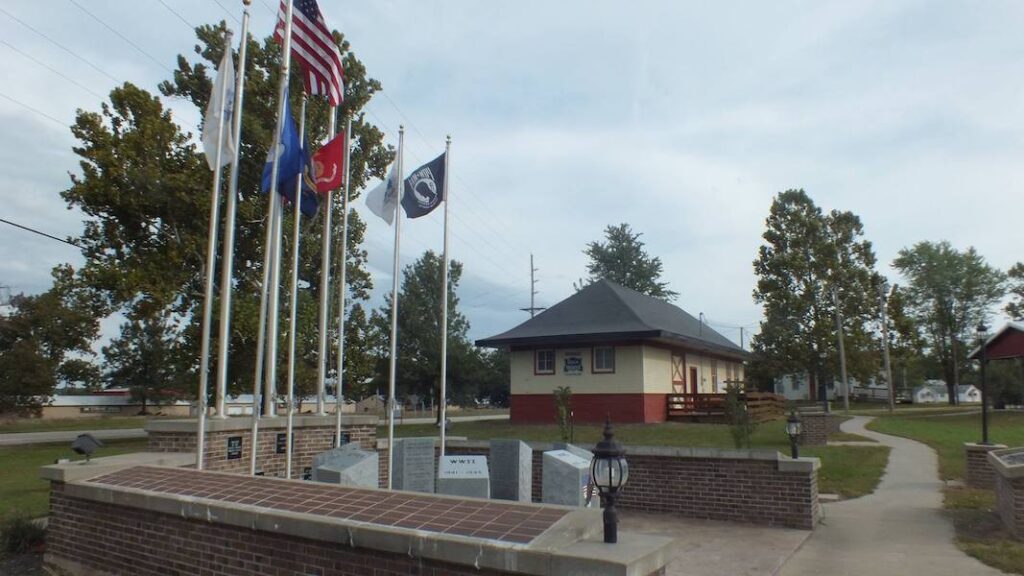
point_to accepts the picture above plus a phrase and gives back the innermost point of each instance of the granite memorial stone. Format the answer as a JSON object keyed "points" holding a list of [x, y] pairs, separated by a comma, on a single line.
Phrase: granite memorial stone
{"points": [[464, 475], [512, 470], [348, 466], [414, 465], [565, 478]]}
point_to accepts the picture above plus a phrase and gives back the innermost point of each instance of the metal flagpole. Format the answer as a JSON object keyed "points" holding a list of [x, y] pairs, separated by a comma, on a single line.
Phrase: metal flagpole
{"points": [[227, 258], [325, 286], [400, 185], [270, 369], [211, 267], [342, 287], [261, 338], [293, 329], [442, 411]]}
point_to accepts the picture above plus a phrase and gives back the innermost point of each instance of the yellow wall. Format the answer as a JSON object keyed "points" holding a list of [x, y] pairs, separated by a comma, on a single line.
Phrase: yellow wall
{"points": [[627, 378], [646, 369]]}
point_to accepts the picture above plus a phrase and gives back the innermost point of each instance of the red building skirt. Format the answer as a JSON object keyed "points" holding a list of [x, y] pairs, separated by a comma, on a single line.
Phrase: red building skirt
{"points": [[590, 408]]}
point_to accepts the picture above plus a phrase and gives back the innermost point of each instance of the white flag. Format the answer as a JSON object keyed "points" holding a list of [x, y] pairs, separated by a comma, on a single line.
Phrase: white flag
{"points": [[383, 199], [225, 73]]}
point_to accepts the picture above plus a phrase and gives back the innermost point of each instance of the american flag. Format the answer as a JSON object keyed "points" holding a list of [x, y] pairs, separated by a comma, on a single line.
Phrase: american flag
{"points": [[314, 48]]}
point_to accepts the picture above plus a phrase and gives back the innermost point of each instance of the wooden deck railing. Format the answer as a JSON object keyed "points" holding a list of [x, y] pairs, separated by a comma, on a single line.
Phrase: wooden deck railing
{"points": [[762, 406]]}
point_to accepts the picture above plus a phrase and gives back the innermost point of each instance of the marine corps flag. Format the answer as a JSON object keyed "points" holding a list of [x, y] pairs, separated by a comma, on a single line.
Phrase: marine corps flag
{"points": [[424, 188]]}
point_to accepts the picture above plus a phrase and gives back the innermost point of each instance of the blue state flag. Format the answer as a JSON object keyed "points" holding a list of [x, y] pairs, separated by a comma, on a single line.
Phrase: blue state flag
{"points": [[292, 163]]}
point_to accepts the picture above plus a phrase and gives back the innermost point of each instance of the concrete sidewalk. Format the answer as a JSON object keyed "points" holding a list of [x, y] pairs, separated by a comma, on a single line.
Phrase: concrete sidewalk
{"points": [[898, 529]]}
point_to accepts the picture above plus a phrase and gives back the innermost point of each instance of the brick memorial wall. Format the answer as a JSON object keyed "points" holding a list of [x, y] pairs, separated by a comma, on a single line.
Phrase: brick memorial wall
{"points": [[311, 436], [754, 486], [1007, 465], [817, 426], [979, 471]]}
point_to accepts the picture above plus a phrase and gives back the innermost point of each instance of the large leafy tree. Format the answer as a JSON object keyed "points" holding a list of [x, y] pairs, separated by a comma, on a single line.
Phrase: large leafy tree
{"points": [[906, 343], [621, 258], [949, 292], [809, 261], [144, 188], [44, 342], [419, 333], [146, 359], [1015, 308]]}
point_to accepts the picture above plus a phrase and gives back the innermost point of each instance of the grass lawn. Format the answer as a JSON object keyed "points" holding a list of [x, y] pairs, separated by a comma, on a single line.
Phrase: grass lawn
{"points": [[59, 424], [979, 532], [22, 492], [849, 471], [947, 434]]}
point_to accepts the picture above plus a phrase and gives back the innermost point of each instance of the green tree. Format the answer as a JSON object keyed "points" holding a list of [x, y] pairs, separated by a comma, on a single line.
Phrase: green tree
{"points": [[621, 258], [949, 293], [807, 257], [419, 332], [905, 342], [146, 359], [144, 189], [1015, 308]]}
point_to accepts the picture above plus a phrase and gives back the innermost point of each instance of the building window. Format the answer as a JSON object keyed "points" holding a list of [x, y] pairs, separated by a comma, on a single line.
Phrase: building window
{"points": [[544, 362], [603, 360]]}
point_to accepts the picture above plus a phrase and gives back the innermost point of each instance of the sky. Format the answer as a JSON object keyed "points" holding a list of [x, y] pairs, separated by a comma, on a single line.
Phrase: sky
{"points": [[682, 119]]}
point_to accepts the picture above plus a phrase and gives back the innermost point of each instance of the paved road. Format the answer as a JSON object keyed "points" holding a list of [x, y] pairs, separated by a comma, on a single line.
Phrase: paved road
{"points": [[898, 529], [128, 433]]}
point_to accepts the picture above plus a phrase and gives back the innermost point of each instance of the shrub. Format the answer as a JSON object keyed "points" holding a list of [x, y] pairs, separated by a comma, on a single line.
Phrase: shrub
{"points": [[563, 409], [19, 535], [741, 425]]}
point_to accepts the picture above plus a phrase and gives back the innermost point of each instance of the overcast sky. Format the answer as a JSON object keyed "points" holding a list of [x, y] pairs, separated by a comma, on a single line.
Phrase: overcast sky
{"points": [[681, 119]]}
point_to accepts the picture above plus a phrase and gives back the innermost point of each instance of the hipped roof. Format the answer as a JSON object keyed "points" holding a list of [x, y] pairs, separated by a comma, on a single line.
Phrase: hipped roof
{"points": [[606, 311]]}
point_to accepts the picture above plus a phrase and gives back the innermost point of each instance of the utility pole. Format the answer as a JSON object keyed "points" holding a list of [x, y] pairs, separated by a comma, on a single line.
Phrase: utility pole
{"points": [[741, 338], [885, 350], [842, 352], [700, 321], [533, 292]]}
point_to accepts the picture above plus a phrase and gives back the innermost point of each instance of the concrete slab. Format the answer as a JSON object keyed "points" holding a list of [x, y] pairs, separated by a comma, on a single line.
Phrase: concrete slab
{"points": [[713, 548]]}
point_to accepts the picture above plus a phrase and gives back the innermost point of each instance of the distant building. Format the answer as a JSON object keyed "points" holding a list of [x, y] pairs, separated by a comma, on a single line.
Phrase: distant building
{"points": [[932, 392], [621, 352]]}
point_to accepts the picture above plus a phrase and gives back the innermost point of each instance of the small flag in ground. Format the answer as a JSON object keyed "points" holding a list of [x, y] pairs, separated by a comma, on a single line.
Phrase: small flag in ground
{"points": [[328, 165], [314, 47], [424, 188], [382, 199], [216, 107]]}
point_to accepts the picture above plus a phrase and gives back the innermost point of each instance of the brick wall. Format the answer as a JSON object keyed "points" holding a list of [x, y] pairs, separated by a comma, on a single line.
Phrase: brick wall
{"points": [[980, 473], [308, 442], [1010, 503], [817, 426], [122, 540], [753, 490]]}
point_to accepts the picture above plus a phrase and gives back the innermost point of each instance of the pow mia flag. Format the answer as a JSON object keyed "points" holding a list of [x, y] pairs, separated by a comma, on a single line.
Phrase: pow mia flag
{"points": [[424, 188]]}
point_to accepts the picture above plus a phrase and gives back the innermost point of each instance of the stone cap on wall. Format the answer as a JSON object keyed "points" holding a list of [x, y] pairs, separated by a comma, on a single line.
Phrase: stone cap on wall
{"points": [[245, 423], [976, 447], [83, 470], [571, 545], [1008, 462]]}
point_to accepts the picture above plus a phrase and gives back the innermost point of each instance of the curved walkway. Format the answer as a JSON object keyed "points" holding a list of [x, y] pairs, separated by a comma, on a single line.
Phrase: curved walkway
{"points": [[898, 529]]}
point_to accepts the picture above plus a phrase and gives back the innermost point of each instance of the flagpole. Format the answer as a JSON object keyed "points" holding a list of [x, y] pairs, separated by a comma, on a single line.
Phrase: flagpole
{"points": [[211, 267], [444, 300], [339, 399], [394, 312], [270, 384], [293, 328], [228, 253], [325, 286], [261, 338]]}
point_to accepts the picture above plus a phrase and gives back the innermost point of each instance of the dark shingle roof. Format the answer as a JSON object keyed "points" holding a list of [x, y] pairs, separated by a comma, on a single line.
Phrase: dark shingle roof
{"points": [[605, 311]]}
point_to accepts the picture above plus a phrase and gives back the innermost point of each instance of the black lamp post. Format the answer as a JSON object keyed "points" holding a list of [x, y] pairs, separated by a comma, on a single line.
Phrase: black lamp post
{"points": [[982, 342], [794, 429], [609, 472]]}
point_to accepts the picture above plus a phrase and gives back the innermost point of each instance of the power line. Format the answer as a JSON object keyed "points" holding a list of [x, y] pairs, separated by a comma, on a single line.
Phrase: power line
{"points": [[44, 234], [175, 12], [121, 36], [54, 70], [58, 45], [31, 109], [228, 12]]}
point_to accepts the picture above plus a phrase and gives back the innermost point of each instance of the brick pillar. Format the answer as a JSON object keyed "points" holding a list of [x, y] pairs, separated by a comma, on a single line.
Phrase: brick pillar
{"points": [[817, 426], [979, 470]]}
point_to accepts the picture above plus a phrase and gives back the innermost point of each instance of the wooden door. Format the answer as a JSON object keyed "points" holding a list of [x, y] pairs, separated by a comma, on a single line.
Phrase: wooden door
{"points": [[693, 380], [678, 373]]}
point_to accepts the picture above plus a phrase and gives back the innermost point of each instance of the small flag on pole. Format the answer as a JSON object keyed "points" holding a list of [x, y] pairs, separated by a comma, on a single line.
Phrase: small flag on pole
{"points": [[382, 199], [328, 165], [292, 163], [314, 47], [214, 109], [424, 188]]}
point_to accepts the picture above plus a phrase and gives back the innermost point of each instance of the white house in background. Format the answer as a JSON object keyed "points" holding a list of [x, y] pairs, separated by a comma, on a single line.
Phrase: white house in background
{"points": [[933, 392], [968, 394], [797, 387]]}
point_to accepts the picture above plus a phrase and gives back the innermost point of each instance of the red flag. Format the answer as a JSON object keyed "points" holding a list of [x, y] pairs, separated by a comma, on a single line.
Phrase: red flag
{"points": [[328, 165]]}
